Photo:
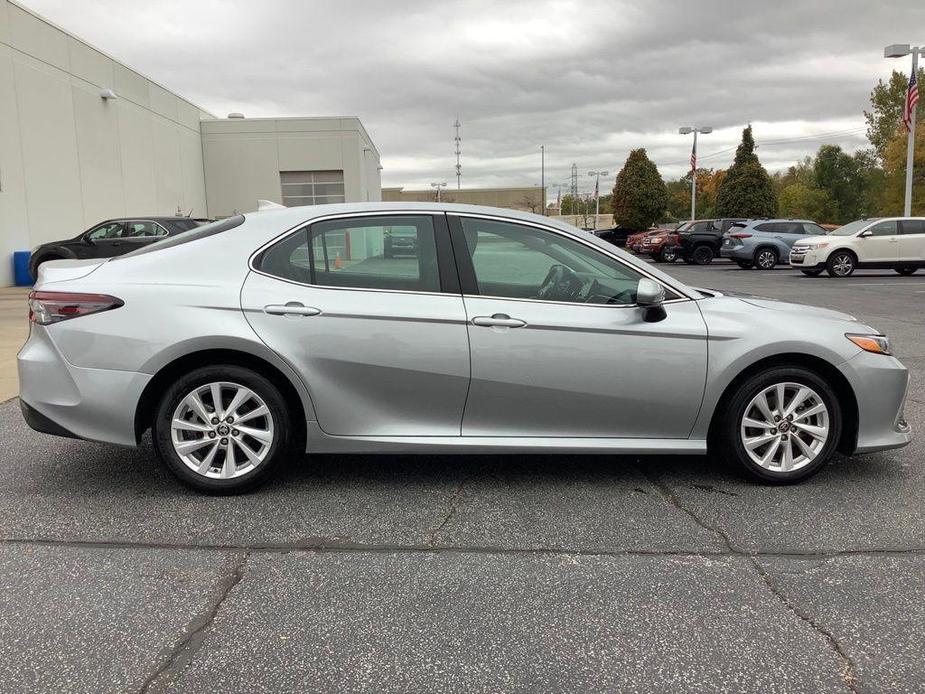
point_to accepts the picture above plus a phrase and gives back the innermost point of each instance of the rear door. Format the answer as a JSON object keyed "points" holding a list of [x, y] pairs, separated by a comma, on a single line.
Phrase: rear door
{"points": [[380, 341], [882, 246], [559, 348], [912, 241]]}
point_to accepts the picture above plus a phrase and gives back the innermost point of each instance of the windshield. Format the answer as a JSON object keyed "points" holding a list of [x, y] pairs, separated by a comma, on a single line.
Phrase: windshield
{"points": [[851, 228], [194, 235]]}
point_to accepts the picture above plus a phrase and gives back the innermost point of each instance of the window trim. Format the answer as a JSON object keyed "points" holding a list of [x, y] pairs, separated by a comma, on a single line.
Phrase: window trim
{"points": [[446, 266], [467, 272], [166, 231]]}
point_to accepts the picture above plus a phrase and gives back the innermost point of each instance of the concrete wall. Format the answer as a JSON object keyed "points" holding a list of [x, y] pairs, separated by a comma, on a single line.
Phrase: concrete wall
{"points": [[244, 156], [527, 199], [68, 158]]}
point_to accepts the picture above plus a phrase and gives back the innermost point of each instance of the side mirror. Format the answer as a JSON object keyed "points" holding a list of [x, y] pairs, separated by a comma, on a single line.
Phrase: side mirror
{"points": [[89, 241], [865, 234], [650, 295]]}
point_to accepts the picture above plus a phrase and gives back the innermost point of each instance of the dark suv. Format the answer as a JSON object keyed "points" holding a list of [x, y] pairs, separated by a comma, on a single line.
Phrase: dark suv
{"points": [[702, 239], [111, 238]]}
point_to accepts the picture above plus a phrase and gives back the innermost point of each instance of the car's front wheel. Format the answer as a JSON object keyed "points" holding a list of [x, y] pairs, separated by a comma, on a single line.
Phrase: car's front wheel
{"points": [[906, 271], [222, 429], [841, 264], [781, 425], [668, 255]]}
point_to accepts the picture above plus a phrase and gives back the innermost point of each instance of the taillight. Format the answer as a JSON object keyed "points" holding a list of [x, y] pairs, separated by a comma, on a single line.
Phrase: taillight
{"points": [[740, 236], [46, 308]]}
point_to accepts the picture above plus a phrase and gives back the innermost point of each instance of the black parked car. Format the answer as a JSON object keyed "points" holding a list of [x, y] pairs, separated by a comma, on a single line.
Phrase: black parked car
{"points": [[616, 235], [702, 239], [111, 238]]}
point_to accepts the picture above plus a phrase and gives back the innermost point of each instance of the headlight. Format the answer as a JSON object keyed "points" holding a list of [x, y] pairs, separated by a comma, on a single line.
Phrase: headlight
{"points": [[878, 344]]}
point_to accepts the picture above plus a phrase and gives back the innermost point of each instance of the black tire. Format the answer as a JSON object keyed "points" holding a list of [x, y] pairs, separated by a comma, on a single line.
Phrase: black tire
{"points": [[841, 264], [906, 271], [703, 254], [766, 258], [727, 439], [745, 264], [812, 273], [277, 453], [668, 256]]}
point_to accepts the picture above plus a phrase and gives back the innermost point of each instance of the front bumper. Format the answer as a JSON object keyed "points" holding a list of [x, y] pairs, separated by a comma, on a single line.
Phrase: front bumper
{"points": [[806, 259], [59, 398], [879, 384]]}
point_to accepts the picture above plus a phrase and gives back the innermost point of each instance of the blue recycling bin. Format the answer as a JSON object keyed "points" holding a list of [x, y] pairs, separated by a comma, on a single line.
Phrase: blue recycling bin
{"points": [[21, 275]]}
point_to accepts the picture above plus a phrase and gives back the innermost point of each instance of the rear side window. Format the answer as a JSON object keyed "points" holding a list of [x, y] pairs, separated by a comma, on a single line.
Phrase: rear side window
{"points": [[382, 252], [767, 228], [813, 229], [912, 226], [189, 236]]}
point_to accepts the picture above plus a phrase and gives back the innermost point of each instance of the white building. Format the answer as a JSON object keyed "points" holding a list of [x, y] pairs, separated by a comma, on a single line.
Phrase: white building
{"points": [[84, 138]]}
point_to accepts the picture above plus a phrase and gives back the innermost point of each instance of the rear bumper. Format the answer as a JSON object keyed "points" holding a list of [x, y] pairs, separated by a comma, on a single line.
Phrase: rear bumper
{"points": [[61, 399], [736, 253], [880, 385]]}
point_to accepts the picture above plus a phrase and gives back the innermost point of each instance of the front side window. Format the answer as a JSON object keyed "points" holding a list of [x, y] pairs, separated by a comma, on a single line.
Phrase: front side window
{"points": [[387, 253], [515, 261], [110, 230], [885, 228]]}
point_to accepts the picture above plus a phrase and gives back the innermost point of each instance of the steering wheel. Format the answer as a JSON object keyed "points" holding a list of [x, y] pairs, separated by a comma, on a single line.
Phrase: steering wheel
{"points": [[561, 284]]}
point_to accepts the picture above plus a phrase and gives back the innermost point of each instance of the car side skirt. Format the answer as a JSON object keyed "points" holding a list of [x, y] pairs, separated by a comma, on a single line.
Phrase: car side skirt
{"points": [[319, 442]]}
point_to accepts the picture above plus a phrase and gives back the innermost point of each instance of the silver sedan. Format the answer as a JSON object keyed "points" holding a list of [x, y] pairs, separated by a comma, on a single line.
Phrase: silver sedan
{"points": [[292, 330]]}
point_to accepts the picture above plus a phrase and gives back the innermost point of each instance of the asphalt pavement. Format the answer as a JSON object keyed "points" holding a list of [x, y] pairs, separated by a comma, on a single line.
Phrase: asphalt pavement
{"points": [[475, 573]]}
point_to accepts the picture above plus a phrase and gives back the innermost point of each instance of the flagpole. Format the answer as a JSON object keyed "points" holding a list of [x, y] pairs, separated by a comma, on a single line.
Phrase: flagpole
{"points": [[910, 145]]}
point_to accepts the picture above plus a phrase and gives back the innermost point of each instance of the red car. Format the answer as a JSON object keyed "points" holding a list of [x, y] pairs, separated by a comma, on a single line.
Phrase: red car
{"points": [[634, 242]]}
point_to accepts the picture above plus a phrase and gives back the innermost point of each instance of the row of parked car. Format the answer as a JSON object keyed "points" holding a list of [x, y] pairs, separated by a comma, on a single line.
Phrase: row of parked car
{"points": [[896, 243]]}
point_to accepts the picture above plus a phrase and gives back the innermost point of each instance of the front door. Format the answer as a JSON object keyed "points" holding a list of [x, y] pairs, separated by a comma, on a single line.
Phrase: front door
{"points": [[379, 340], [558, 346], [105, 241], [882, 246]]}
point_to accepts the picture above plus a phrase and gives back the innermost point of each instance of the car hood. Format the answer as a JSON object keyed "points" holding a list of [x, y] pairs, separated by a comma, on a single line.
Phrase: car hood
{"points": [[784, 307], [809, 240]]}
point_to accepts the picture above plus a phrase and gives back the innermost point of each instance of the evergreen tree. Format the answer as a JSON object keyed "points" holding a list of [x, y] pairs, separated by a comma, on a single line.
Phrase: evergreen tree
{"points": [[640, 196], [747, 190]]}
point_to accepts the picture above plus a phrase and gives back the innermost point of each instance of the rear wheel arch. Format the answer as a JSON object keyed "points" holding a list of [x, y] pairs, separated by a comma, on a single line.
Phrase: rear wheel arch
{"points": [[824, 369], [170, 372]]}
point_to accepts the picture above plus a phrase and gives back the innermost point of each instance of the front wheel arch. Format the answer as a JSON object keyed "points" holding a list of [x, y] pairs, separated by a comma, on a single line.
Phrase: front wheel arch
{"points": [[847, 442]]}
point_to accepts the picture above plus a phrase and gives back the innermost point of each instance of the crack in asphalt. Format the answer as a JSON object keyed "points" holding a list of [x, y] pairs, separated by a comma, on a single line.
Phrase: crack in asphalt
{"points": [[181, 654], [848, 673], [431, 535]]}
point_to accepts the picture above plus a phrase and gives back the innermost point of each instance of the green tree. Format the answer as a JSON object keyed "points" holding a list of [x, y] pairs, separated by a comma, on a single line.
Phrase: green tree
{"points": [[839, 174], [640, 196], [747, 189], [884, 120], [798, 200], [679, 194], [893, 190]]}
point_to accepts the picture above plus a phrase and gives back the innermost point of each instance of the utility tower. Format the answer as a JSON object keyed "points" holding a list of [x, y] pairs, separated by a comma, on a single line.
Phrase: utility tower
{"points": [[573, 187], [457, 140]]}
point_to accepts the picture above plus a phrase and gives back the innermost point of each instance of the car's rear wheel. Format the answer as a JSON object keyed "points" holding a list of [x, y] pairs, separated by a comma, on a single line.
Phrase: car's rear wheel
{"points": [[841, 264], [812, 273], [703, 254], [222, 429], [745, 264], [781, 425], [906, 271], [766, 259]]}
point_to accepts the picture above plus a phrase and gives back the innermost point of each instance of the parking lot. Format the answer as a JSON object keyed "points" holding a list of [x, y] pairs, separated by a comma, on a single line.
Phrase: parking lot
{"points": [[475, 573]]}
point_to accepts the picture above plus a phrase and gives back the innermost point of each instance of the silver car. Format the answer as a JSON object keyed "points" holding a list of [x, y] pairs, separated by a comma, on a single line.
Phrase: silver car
{"points": [[256, 337], [765, 243]]}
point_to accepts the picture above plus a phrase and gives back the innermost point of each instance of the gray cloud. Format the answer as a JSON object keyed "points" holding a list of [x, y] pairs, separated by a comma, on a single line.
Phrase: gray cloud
{"points": [[590, 80]]}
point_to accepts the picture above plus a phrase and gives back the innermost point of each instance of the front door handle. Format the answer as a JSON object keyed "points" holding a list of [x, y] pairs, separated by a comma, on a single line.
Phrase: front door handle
{"points": [[293, 308], [894, 240], [498, 320]]}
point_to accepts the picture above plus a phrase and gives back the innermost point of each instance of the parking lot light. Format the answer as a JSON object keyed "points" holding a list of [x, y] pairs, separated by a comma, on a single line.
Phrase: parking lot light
{"points": [[901, 50], [687, 130], [597, 193]]}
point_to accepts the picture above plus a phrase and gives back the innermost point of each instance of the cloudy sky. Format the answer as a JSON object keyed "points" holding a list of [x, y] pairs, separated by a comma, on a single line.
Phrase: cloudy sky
{"points": [[588, 79]]}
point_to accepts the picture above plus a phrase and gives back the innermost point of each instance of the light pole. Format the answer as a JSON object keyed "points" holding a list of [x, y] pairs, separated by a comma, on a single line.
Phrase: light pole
{"points": [[687, 130], [900, 50], [597, 193], [438, 187], [543, 176]]}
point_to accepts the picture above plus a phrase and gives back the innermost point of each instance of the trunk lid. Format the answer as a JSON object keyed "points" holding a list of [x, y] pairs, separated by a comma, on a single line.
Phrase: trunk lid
{"points": [[52, 271]]}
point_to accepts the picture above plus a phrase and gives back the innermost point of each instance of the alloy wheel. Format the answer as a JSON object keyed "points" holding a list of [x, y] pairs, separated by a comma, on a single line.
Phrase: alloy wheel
{"points": [[785, 427], [766, 259], [222, 430], [703, 255], [842, 265]]}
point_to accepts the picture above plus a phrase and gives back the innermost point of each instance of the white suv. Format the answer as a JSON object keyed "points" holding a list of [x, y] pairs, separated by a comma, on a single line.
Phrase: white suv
{"points": [[888, 242]]}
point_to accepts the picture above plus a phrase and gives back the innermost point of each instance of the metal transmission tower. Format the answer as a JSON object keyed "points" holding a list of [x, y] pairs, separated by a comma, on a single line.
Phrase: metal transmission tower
{"points": [[573, 188], [457, 140]]}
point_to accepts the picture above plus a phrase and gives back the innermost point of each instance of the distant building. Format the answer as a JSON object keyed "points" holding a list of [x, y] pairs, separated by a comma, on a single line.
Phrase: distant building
{"points": [[527, 199], [84, 138]]}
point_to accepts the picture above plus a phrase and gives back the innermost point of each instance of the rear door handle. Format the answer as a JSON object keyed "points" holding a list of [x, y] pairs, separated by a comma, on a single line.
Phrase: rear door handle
{"points": [[293, 308], [498, 320]]}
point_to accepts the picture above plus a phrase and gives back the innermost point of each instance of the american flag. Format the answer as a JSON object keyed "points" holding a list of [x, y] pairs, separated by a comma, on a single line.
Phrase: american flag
{"points": [[694, 156], [912, 98]]}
